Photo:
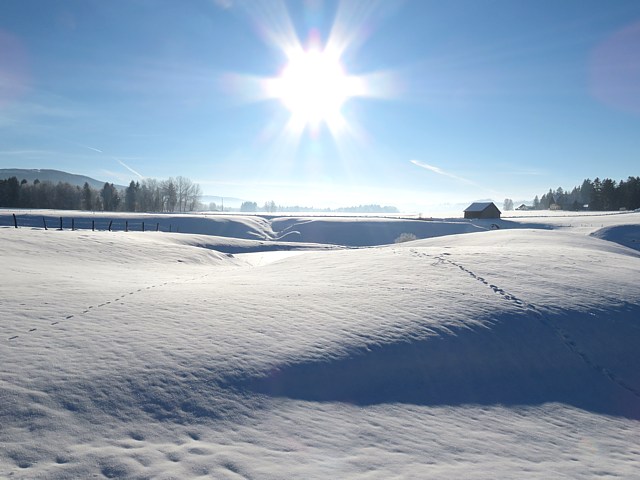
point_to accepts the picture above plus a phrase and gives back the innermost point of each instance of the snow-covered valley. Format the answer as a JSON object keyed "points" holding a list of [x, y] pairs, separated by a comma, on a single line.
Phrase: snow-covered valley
{"points": [[279, 350]]}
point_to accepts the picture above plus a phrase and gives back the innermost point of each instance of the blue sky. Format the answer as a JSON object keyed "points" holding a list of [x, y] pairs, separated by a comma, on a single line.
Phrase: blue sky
{"points": [[464, 100]]}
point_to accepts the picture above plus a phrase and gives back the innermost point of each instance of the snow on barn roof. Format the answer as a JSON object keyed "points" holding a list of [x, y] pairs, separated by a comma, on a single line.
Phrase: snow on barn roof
{"points": [[478, 206]]}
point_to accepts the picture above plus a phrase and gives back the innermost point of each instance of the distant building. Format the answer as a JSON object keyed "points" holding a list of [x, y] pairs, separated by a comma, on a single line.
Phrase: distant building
{"points": [[482, 210], [524, 207], [555, 206]]}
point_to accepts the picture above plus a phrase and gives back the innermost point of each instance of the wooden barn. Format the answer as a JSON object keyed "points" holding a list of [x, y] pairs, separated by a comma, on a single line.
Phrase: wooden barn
{"points": [[482, 210]]}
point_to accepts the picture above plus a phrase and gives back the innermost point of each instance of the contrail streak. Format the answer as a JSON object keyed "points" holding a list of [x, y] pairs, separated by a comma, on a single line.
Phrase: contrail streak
{"points": [[439, 171], [129, 168]]}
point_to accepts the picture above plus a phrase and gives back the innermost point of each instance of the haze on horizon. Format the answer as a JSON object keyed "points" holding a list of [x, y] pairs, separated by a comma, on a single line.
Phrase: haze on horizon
{"points": [[325, 103]]}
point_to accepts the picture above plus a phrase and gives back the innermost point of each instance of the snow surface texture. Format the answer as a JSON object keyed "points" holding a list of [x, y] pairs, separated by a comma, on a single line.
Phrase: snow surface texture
{"points": [[509, 353]]}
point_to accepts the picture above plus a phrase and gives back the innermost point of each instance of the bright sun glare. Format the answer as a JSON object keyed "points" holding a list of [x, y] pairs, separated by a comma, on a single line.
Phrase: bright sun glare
{"points": [[314, 86]]}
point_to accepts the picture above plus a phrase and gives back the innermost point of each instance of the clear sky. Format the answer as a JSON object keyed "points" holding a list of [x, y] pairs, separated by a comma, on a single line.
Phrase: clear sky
{"points": [[325, 103]]}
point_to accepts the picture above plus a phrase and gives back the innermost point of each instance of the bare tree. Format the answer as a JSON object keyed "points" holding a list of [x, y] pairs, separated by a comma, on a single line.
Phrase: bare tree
{"points": [[195, 193], [270, 206], [188, 194], [152, 193], [182, 188]]}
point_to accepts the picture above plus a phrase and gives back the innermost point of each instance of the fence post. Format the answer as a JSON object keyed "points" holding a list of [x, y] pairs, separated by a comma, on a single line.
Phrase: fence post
{"points": [[15, 220], [73, 224], [110, 225], [157, 227], [60, 223], [126, 225], [169, 228], [143, 226], [93, 225], [44, 221]]}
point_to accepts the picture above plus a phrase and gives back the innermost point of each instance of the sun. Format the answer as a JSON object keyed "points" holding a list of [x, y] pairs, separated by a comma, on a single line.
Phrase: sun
{"points": [[309, 90], [314, 86]]}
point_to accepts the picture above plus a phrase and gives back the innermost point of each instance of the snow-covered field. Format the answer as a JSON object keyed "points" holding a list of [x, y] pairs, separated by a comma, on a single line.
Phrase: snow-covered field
{"points": [[272, 348]]}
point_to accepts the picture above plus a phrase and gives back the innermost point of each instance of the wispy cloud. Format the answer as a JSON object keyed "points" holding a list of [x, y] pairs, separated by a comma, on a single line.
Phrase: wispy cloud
{"points": [[29, 153], [111, 176], [439, 171], [224, 4], [47, 108]]}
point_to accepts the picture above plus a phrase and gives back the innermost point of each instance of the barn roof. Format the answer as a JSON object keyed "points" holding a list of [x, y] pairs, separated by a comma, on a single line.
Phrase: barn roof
{"points": [[479, 206]]}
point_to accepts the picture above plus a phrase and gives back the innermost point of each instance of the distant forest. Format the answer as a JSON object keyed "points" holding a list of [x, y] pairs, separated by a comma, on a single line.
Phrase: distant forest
{"points": [[150, 195], [597, 195], [172, 195], [271, 207]]}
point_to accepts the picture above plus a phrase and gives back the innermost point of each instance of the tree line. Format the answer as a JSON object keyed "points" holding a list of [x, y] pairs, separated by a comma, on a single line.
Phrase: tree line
{"points": [[178, 194], [271, 207], [596, 195]]}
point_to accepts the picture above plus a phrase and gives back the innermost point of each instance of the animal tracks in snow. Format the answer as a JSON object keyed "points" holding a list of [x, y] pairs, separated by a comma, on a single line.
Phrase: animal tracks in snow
{"points": [[441, 259], [563, 335], [110, 302]]}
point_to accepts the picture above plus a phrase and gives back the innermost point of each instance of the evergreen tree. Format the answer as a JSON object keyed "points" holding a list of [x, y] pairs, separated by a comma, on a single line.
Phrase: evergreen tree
{"points": [[110, 197], [130, 197], [586, 192], [88, 195], [629, 193], [13, 192], [596, 196]]}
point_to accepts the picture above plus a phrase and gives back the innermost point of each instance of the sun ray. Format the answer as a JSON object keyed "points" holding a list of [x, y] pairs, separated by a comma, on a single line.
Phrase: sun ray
{"points": [[351, 26], [273, 23]]}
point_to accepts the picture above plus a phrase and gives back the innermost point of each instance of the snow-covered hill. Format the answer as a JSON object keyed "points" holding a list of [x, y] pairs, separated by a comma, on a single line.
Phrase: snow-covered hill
{"points": [[54, 176], [504, 353]]}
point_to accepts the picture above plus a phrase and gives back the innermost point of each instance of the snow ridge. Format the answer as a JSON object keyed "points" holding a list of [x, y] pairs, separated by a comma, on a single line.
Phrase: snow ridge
{"points": [[566, 338]]}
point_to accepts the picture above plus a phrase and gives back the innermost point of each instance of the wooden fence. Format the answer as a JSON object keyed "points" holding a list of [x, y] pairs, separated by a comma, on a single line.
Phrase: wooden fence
{"points": [[47, 222]]}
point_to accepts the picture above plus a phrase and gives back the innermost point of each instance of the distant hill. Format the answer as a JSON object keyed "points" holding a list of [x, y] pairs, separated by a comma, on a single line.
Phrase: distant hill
{"points": [[53, 176]]}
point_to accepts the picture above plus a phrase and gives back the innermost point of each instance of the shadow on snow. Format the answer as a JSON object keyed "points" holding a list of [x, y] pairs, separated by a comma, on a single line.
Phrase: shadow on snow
{"points": [[517, 360]]}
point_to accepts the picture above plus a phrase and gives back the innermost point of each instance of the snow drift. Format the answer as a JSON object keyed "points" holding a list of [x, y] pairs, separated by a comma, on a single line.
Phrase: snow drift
{"points": [[627, 235], [345, 231], [365, 231]]}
